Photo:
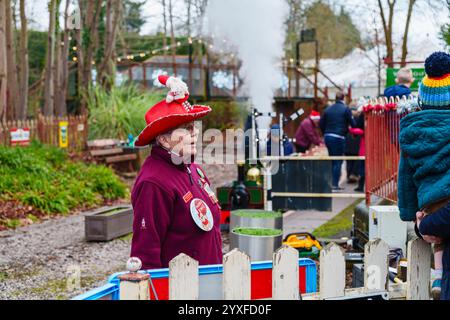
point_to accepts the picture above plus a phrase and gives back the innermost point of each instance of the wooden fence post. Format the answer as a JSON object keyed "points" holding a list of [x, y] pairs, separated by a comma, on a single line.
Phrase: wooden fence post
{"points": [[285, 276], [183, 278], [133, 285], [332, 271], [236, 276], [376, 266], [418, 270]]}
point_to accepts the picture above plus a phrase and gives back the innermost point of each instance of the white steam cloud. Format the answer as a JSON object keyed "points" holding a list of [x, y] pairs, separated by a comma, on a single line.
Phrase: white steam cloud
{"points": [[255, 29]]}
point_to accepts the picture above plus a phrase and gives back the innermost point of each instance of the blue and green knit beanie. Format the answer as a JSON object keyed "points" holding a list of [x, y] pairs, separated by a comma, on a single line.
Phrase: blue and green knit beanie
{"points": [[434, 90]]}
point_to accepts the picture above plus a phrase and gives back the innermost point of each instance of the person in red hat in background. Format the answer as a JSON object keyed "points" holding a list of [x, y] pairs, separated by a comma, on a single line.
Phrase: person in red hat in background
{"points": [[175, 210], [307, 135]]}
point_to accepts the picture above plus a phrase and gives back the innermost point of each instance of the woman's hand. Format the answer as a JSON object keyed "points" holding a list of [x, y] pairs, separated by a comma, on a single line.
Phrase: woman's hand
{"points": [[430, 239]]}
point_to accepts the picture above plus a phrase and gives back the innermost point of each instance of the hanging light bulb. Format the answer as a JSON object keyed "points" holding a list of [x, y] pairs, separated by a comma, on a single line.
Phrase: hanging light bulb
{"points": [[119, 59], [142, 54], [74, 48], [190, 40], [75, 59]]}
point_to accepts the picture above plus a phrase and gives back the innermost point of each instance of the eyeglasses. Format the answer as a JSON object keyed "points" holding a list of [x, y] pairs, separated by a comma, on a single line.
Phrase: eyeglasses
{"points": [[188, 126]]}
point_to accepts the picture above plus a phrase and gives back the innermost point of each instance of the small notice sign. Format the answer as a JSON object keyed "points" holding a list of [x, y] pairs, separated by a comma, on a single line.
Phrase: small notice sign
{"points": [[20, 136], [63, 135]]}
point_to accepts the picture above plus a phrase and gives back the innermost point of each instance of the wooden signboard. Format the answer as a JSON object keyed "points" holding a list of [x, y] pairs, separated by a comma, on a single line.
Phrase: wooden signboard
{"points": [[20, 136]]}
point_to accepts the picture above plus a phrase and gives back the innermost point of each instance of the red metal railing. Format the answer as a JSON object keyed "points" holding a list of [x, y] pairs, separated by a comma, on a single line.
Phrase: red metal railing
{"points": [[382, 126]]}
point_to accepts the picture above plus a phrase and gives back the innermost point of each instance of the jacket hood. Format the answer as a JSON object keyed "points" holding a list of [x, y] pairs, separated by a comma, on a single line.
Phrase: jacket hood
{"points": [[425, 132]]}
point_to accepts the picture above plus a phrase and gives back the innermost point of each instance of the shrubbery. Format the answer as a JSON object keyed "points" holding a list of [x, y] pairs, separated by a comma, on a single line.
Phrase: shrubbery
{"points": [[42, 177], [120, 111]]}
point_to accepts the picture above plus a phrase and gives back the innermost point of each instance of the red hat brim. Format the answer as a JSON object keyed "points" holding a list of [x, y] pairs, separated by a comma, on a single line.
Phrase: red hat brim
{"points": [[169, 122]]}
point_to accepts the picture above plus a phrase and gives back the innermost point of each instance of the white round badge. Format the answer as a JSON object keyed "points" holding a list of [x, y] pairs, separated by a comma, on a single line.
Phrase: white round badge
{"points": [[201, 214]]}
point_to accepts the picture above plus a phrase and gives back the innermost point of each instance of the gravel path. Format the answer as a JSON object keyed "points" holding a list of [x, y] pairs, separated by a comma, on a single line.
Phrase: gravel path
{"points": [[36, 261]]}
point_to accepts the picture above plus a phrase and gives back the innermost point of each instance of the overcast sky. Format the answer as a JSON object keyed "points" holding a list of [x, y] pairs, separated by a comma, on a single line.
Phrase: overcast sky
{"points": [[425, 23]]}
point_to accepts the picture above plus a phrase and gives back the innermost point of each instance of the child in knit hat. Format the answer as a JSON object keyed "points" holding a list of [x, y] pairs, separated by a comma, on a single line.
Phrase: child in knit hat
{"points": [[424, 169]]}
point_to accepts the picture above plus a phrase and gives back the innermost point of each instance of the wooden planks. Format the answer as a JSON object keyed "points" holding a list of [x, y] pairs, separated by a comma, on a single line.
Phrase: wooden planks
{"points": [[120, 158], [236, 276], [105, 152], [236, 285], [183, 278]]}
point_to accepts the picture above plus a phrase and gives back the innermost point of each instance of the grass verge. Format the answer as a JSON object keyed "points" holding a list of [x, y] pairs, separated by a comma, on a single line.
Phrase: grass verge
{"points": [[341, 222]]}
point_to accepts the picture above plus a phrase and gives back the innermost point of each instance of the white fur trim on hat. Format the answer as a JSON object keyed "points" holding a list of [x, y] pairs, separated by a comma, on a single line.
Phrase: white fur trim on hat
{"points": [[177, 89]]}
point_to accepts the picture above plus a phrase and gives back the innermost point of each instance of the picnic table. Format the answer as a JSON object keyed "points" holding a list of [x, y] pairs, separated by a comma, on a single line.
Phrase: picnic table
{"points": [[118, 154]]}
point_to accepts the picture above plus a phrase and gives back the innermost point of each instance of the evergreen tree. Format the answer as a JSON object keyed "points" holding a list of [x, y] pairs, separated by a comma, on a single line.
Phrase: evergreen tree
{"points": [[336, 33], [133, 19], [445, 30]]}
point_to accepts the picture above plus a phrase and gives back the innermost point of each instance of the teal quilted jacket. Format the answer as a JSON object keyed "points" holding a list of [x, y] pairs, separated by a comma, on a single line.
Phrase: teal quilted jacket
{"points": [[424, 169]]}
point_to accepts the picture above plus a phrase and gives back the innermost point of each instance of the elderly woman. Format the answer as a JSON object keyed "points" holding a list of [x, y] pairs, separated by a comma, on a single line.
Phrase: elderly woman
{"points": [[175, 210]]}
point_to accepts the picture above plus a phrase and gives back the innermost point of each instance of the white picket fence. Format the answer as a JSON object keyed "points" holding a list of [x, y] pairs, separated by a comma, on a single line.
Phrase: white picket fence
{"points": [[184, 275]]}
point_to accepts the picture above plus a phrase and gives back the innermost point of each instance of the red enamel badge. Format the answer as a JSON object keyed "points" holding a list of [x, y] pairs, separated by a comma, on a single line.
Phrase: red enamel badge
{"points": [[187, 197]]}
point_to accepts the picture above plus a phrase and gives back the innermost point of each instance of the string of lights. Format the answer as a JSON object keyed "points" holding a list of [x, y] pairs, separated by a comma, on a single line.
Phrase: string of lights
{"points": [[143, 54]]}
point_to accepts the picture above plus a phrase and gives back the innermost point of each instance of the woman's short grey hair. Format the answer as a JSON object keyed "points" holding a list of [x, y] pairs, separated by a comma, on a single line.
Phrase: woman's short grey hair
{"points": [[163, 136]]}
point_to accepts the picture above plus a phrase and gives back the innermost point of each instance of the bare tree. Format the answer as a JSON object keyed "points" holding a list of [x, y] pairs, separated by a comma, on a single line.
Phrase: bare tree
{"points": [[3, 62], [189, 17], [63, 69], [164, 6], [13, 91], [387, 27], [87, 42], [23, 64], [49, 86], [200, 8], [405, 34], [114, 12], [172, 38]]}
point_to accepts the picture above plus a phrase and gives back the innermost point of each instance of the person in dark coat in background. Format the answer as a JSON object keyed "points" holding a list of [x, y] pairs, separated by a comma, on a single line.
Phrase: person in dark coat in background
{"points": [[306, 134], [334, 124], [403, 81], [423, 173], [359, 131], [352, 149], [401, 89], [274, 138], [175, 210]]}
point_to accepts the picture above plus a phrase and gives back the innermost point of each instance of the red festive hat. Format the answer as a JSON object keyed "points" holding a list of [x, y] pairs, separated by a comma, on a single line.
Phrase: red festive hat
{"points": [[170, 113], [315, 115]]}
